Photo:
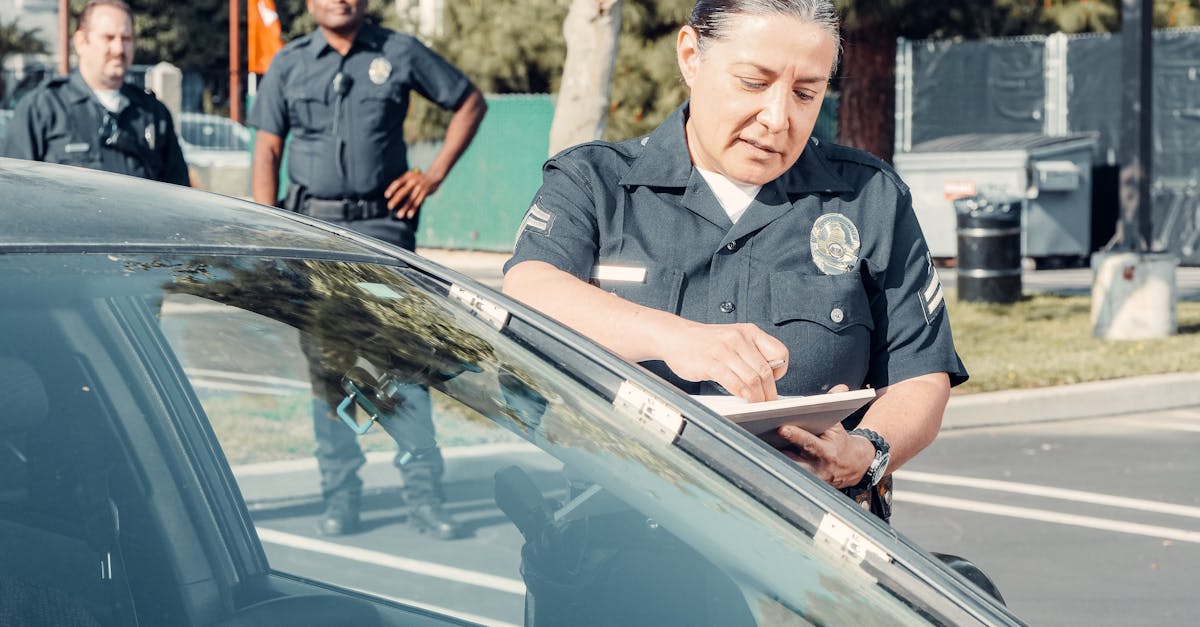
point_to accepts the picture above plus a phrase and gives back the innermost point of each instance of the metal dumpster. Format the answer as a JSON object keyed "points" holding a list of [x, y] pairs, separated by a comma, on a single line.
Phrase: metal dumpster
{"points": [[1051, 175]]}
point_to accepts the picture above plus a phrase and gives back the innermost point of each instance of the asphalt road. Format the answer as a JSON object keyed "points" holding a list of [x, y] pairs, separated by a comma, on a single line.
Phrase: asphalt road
{"points": [[1085, 522]]}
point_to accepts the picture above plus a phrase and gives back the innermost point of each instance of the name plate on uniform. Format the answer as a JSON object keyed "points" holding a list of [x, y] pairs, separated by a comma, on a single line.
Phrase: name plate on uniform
{"points": [[623, 274]]}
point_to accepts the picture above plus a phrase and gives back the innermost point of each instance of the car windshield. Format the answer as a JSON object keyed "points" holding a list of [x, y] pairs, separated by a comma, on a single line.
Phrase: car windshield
{"points": [[567, 501], [213, 132]]}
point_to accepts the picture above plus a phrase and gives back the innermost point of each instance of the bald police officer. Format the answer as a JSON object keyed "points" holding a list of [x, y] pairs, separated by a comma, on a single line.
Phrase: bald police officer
{"points": [[91, 118], [342, 92]]}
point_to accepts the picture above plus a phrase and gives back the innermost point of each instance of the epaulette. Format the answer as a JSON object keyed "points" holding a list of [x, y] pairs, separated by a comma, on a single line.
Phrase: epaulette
{"points": [[838, 152]]}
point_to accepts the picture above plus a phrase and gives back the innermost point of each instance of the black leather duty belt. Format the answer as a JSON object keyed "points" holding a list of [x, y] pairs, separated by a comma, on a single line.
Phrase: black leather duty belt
{"points": [[345, 209]]}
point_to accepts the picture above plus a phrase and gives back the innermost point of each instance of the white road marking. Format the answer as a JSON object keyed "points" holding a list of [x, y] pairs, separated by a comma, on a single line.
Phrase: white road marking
{"points": [[1168, 426], [244, 376], [385, 457], [238, 387], [1054, 493], [1091, 522], [395, 562], [437, 609]]}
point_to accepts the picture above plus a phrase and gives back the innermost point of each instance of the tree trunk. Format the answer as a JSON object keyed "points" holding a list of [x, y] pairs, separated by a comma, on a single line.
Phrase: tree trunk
{"points": [[591, 30], [867, 108]]}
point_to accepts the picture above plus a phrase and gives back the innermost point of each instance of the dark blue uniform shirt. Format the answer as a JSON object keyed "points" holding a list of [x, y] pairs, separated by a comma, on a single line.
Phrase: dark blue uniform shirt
{"points": [[828, 258], [350, 145], [61, 121]]}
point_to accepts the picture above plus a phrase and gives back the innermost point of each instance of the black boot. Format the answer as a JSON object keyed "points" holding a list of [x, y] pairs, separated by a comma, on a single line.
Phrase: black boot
{"points": [[433, 518], [341, 515]]}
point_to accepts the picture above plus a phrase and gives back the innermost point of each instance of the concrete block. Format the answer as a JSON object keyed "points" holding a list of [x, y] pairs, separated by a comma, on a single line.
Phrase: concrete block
{"points": [[1133, 295]]}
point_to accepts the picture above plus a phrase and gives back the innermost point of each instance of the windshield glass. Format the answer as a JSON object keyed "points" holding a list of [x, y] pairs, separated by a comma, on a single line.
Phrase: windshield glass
{"points": [[213, 132], [565, 505]]}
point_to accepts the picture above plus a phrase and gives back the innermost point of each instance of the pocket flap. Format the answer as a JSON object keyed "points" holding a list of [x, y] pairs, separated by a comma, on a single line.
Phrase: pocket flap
{"points": [[832, 301], [657, 287]]}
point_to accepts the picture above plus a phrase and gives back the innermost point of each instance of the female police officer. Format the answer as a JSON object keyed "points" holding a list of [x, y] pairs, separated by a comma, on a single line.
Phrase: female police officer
{"points": [[729, 248]]}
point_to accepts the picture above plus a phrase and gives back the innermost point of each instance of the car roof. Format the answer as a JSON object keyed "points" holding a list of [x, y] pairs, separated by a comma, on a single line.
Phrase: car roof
{"points": [[51, 206]]}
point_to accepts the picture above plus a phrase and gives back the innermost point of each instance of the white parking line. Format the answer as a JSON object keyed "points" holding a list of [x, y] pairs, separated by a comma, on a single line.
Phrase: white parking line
{"points": [[244, 376], [1168, 426], [1091, 522], [395, 562], [437, 609], [449, 453], [1054, 493], [238, 387]]}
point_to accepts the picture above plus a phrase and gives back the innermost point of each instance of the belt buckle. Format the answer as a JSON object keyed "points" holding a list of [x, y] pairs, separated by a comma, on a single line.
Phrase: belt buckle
{"points": [[352, 210]]}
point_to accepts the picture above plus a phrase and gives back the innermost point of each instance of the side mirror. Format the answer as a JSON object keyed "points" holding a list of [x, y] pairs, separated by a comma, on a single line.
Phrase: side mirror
{"points": [[972, 572]]}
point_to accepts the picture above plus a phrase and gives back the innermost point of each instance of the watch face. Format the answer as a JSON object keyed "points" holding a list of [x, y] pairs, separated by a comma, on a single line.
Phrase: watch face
{"points": [[879, 467]]}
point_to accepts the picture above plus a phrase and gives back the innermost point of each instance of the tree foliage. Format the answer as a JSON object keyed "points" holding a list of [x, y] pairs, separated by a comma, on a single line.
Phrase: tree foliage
{"points": [[516, 46]]}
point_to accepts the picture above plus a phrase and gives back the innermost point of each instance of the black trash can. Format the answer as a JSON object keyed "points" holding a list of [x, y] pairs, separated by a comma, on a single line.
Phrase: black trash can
{"points": [[989, 249]]}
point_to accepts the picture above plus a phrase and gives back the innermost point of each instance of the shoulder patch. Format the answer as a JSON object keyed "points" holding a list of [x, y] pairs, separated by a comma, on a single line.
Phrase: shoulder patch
{"points": [[930, 294], [536, 220]]}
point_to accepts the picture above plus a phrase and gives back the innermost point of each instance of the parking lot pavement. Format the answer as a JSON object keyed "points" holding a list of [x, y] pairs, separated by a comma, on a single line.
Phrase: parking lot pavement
{"points": [[1081, 522]]}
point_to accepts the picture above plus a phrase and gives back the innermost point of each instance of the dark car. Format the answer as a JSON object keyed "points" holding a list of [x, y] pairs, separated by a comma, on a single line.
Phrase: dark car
{"points": [[158, 353]]}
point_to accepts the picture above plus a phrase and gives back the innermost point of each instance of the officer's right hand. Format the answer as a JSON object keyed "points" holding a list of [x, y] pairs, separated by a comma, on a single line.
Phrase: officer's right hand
{"points": [[407, 193], [741, 358]]}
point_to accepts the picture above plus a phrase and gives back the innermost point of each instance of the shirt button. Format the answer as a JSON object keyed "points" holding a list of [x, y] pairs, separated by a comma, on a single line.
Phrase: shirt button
{"points": [[727, 307], [837, 315], [731, 246]]}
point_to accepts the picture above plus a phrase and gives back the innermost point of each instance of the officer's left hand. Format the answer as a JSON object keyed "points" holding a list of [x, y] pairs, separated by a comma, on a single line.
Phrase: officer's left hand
{"points": [[406, 194], [835, 456]]}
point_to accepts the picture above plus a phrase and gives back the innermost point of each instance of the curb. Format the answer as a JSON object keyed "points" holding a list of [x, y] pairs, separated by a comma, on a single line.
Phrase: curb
{"points": [[1133, 395]]}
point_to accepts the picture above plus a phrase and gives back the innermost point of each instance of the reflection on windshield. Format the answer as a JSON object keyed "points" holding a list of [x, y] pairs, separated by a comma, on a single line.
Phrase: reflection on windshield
{"points": [[621, 527]]}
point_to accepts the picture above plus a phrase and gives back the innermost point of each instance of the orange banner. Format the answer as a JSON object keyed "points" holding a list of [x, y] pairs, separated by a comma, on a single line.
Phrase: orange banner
{"points": [[263, 35]]}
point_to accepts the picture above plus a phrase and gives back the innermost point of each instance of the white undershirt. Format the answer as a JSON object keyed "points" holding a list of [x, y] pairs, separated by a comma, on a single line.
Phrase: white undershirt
{"points": [[110, 98], [734, 197]]}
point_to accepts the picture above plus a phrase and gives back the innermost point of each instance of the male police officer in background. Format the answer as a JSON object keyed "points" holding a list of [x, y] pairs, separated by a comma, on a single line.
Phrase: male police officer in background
{"points": [[91, 118], [343, 92]]}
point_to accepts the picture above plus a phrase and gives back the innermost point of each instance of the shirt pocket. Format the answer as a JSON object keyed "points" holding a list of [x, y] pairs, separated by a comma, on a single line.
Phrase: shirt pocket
{"points": [[659, 289], [826, 323], [382, 106], [309, 110], [836, 302], [72, 152]]}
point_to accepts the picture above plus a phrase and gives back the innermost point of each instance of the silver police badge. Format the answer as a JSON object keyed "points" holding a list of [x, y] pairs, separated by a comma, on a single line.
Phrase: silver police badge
{"points": [[380, 70], [834, 242]]}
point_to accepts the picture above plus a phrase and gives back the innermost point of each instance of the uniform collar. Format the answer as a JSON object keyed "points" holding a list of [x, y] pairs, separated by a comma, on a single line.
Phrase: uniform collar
{"points": [[665, 162], [81, 92], [369, 37]]}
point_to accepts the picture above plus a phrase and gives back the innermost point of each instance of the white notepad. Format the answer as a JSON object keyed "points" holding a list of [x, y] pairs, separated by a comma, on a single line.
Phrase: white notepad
{"points": [[814, 413]]}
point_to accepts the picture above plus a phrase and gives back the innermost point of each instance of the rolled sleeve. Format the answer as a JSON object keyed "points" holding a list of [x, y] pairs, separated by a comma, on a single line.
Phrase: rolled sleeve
{"points": [[269, 112], [435, 78], [559, 228], [913, 336]]}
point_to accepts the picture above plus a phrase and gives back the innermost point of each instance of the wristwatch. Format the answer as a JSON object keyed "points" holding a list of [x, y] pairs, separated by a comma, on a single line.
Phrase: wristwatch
{"points": [[878, 468]]}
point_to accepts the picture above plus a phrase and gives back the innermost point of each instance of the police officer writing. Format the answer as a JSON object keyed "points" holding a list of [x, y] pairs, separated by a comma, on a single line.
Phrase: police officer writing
{"points": [[91, 118], [731, 250], [342, 92]]}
